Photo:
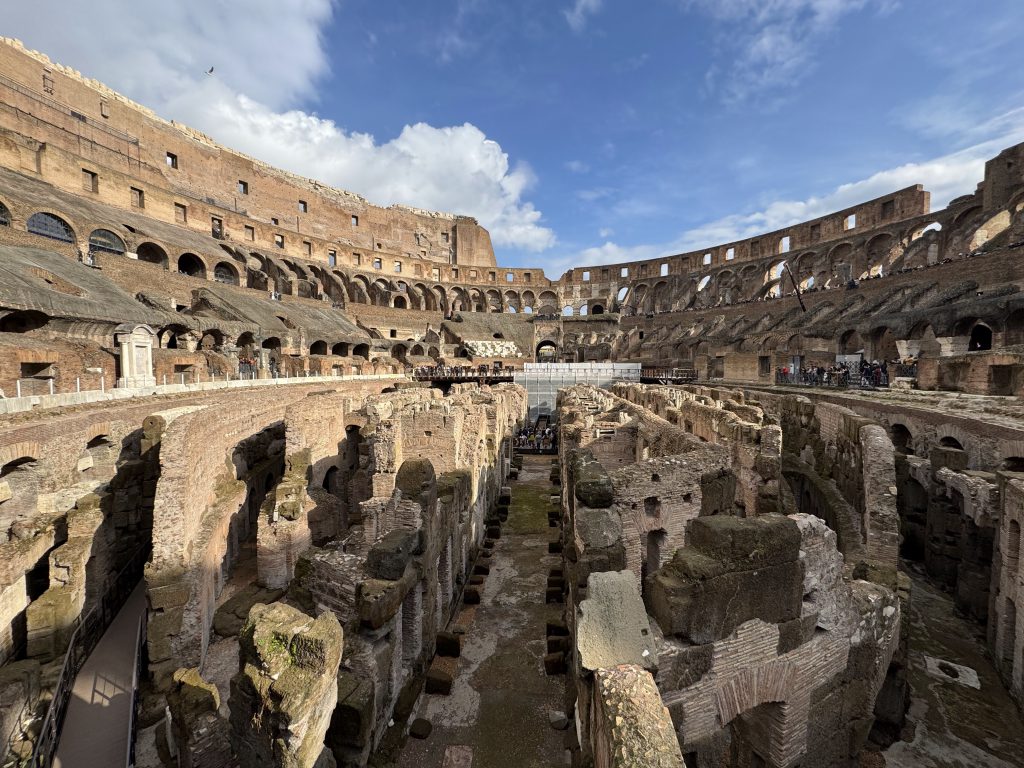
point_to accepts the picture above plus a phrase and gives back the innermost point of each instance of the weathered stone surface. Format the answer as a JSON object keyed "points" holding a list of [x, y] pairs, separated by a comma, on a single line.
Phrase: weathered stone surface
{"points": [[283, 697], [389, 556], [593, 485], [612, 626]]}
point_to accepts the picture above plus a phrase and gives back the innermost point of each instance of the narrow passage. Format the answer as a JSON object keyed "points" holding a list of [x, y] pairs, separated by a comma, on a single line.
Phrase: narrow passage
{"points": [[498, 714]]}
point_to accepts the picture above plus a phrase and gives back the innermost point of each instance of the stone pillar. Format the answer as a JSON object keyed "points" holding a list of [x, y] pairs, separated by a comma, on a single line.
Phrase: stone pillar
{"points": [[135, 347], [282, 699]]}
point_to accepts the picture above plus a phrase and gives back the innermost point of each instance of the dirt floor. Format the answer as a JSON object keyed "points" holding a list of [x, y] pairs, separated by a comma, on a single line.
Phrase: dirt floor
{"points": [[952, 724], [497, 715]]}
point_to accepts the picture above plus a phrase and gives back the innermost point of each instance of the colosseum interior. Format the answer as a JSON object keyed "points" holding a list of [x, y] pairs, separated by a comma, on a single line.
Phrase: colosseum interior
{"points": [[289, 479]]}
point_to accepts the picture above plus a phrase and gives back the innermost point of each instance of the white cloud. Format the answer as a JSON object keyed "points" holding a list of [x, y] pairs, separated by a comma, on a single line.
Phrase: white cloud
{"points": [[265, 61], [576, 166], [580, 11], [771, 43], [605, 232]]}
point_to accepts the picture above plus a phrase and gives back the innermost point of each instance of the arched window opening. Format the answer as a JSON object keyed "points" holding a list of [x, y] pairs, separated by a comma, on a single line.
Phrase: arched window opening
{"points": [[567, 311], [361, 350], [981, 338], [225, 273], [340, 349], [191, 265], [597, 309], [951, 442], [318, 348], [152, 254], [53, 227], [401, 302], [105, 241], [273, 344]]}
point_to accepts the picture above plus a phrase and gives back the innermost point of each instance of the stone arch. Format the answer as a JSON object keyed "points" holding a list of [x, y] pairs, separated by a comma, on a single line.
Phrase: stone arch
{"points": [[152, 254], [512, 301], [883, 344], [361, 350], [547, 350], [191, 265], [318, 347], [105, 241], [902, 439], [225, 273], [548, 303], [5, 215], [850, 343], [210, 340], [52, 226], [23, 321], [340, 349]]}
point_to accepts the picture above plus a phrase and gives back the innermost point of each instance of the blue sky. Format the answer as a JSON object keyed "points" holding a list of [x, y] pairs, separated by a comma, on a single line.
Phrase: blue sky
{"points": [[578, 131]]}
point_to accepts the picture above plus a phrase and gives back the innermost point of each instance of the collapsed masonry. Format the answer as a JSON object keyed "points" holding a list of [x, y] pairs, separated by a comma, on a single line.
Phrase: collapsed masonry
{"points": [[373, 528], [734, 620]]}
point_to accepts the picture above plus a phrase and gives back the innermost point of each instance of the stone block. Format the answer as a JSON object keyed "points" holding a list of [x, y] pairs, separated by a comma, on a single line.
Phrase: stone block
{"points": [[388, 558]]}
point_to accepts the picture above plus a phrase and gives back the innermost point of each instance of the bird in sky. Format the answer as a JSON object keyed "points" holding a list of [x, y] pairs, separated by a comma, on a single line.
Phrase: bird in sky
{"points": [[209, 71]]}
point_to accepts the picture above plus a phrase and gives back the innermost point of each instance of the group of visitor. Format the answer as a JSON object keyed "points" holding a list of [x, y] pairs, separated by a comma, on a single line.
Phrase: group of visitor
{"points": [[869, 374], [534, 439], [460, 371]]}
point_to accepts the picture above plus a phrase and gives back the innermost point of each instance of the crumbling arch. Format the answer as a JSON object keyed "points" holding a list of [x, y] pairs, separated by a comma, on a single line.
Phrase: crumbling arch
{"points": [[340, 349], [318, 347], [361, 350]]}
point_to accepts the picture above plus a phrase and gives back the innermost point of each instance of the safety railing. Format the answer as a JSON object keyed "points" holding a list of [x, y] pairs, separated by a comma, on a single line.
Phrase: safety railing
{"points": [[83, 642], [133, 722]]}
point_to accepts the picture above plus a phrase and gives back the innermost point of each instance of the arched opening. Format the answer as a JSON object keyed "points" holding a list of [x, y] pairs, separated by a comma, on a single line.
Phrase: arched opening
{"points": [[547, 351], [902, 440], [361, 350], [191, 265], [225, 273], [951, 442], [318, 348], [23, 321], [401, 302], [272, 343], [981, 338], [597, 309], [211, 340], [53, 227], [105, 241], [340, 349], [850, 343], [566, 311], [152, 254], [5, 216], [399, 352], [656, 542], [884, 345]]}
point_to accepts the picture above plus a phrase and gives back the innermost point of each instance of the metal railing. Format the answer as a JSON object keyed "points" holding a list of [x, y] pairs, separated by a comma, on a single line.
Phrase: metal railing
{"points": [[133, 722], [83, 642], [683, 375], [836, 378]]}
